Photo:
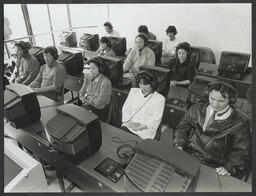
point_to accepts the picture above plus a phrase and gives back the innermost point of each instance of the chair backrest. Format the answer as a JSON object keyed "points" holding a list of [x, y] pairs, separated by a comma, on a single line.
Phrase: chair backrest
{"points": [[73, 83], [61, 95]]}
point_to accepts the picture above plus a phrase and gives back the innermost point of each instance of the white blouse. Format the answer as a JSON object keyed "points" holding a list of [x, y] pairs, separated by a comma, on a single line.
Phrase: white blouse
{"points": [[144, 110]]}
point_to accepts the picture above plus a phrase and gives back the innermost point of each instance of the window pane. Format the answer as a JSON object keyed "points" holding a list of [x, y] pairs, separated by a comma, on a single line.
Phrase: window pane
{"points": [[39, 18], [44, 40], [15, 21], [85, 14], [59, 16]]}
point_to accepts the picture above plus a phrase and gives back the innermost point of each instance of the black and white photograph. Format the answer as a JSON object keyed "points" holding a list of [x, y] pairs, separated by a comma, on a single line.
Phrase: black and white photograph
{"points": [[127, 97]]}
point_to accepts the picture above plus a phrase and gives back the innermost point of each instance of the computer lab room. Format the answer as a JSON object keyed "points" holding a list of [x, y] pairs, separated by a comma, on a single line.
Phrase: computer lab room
{"points": [[127, 97]]}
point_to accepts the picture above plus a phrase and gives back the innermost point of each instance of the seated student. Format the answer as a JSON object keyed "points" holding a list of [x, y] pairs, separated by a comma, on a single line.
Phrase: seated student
{"points": [[143, 109], [110, 31], [215, 133], [105, 48], [143, 29], [138, 56], [50, 79], [169, 45], [96, 91], [27, 66], [183, 70]]}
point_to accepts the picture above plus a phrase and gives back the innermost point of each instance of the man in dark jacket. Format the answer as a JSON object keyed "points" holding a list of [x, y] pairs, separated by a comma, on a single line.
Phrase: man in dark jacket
{"points": [[215, 133]]}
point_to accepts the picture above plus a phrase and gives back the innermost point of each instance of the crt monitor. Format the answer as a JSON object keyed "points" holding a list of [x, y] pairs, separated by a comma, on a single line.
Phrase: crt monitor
{"points": [[118, 45], [198, 87], [233, 64], [157, 47], [163, 77], [75, 132], [89, 41], [22, 173], [202, 54], [21, 106], [116, 69], [73, 61], [68, 38], [38, 52]]}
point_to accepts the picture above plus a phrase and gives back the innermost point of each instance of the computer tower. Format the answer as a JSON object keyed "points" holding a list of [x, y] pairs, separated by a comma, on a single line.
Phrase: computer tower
{"points": [[89, 41], [68, 38], [233, 64], [157, 47], [72, 61], [118, 45], [38, 52]]}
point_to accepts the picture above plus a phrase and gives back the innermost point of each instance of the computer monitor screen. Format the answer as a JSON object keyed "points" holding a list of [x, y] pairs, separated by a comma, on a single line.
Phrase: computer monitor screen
{"points": [[73, 61], [89, 41], [163, 77], [68, 39], [21, 106], [233, 64], [22, 173], [38, 52], [118, 45], [116, 68], [156, 46]]}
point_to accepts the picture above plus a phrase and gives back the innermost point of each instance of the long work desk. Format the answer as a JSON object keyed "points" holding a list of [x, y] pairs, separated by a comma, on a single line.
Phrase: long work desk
{"points": [[85, 177]]}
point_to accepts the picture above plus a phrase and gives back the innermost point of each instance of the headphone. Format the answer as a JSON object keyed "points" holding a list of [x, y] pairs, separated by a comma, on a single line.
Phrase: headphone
{"points": [[125, 152], [98, 61], [53, 51], [144, 37], [232, 97], [151, 77]]}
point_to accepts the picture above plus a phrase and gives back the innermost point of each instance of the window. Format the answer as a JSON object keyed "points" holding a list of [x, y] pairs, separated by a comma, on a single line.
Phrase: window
{"points": [[15, 21]]}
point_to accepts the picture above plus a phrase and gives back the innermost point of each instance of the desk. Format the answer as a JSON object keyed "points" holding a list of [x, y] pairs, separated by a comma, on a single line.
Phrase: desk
{"points": [[84, 174], [86, 178], [46, 102]]}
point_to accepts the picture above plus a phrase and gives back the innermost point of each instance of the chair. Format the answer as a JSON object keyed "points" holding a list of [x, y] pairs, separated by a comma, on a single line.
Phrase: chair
{"points": [[72, 84]]}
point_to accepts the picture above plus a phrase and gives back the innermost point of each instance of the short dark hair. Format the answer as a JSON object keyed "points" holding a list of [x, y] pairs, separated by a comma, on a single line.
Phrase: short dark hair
{"points": [[108, 24], [25, 46], [106, 41], [143, 29], [171, 29], [226, 89], [103, 68], [185, 46], [52, 50]]}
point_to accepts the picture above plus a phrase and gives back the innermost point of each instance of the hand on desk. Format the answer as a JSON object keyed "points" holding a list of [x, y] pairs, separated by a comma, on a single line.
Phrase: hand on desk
{"points": [[136, 126], [173, 83], [222, 171]]}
